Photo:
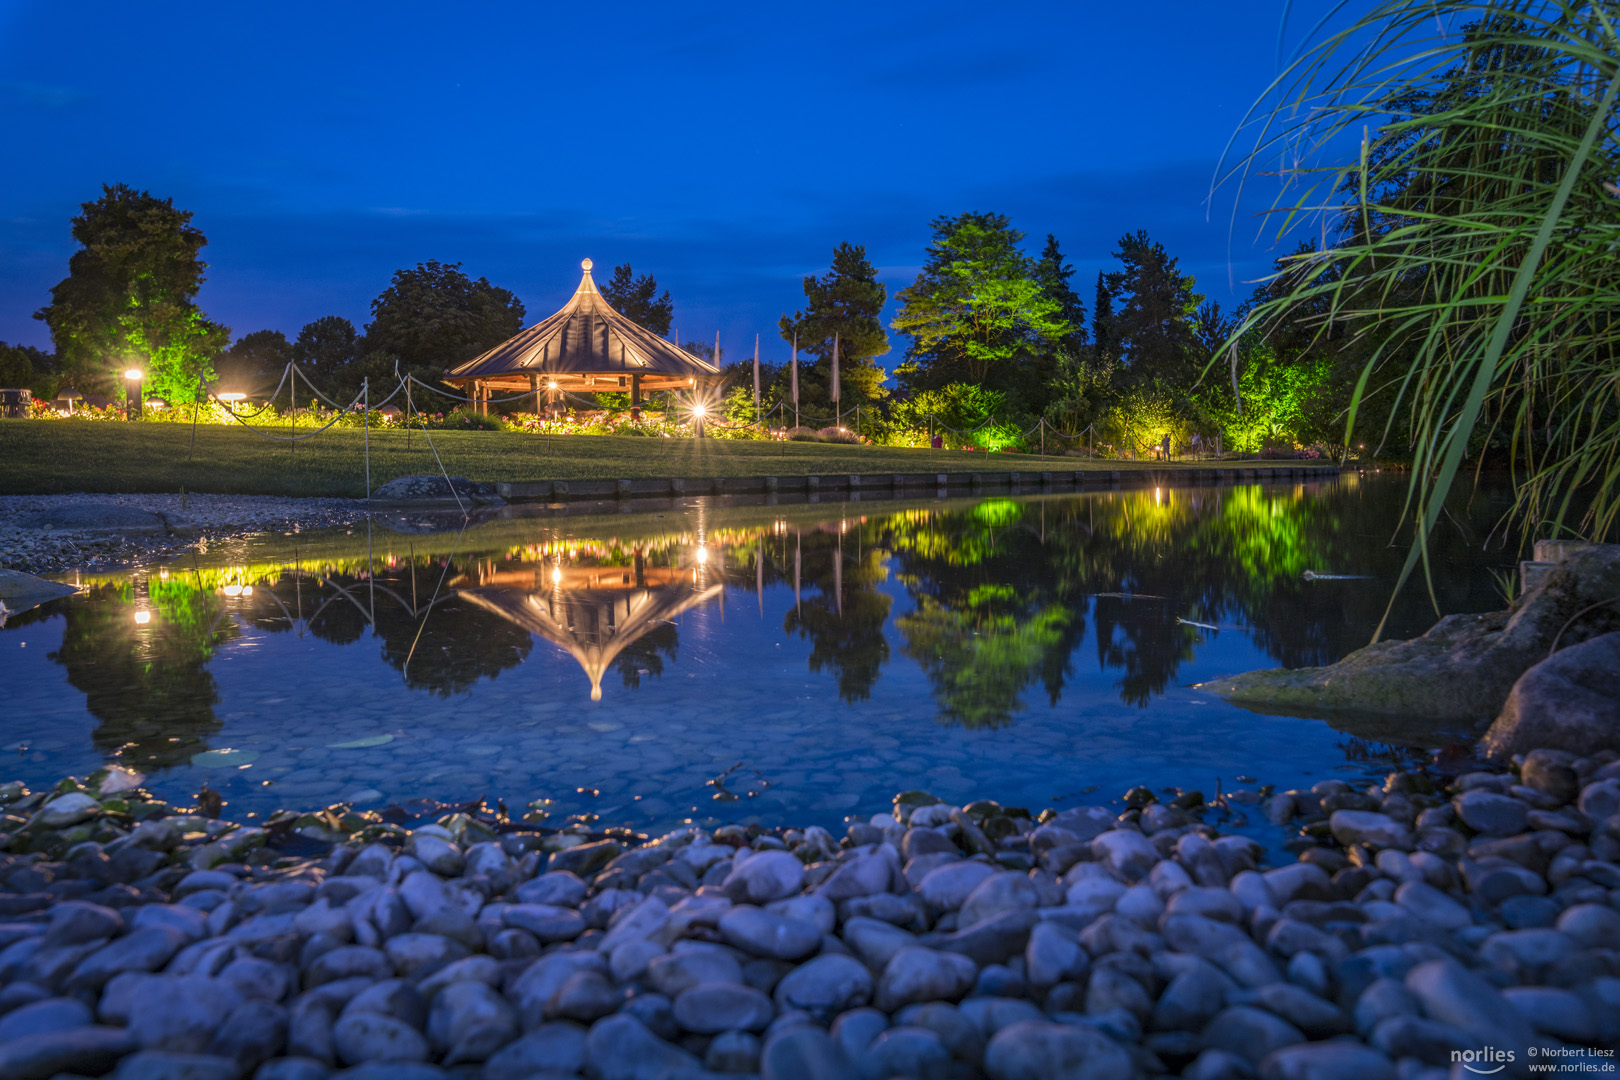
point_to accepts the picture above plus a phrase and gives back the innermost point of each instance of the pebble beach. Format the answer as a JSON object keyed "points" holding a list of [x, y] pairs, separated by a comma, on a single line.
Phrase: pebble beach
{"points": [[1425, 919]]}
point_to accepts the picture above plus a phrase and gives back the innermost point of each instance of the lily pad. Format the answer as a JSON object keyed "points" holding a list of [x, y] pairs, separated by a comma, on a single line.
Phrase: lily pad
{"points": [[224, 759], [361, 744]]}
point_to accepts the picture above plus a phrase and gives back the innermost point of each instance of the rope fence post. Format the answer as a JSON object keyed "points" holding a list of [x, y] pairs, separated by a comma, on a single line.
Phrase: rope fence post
{"points": [[202, 387], [1043, 436]]}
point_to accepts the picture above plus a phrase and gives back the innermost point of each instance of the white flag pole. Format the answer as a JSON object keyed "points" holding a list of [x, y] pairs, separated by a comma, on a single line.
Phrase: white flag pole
{"points": [[758, 417], [835, 394], [795, 380]]}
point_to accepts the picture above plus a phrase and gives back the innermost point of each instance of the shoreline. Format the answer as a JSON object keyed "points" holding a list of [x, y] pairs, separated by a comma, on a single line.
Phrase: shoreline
{"points": [[1432, 914], [195, 520]]}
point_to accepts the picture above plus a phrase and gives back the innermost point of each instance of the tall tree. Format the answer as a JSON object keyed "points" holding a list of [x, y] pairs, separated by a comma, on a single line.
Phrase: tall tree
{"points": [[1102, 319], [435, 316], [1054, 274], [637, 299], [129, 297], [977, 309], [846, 302], [1154, 326]]}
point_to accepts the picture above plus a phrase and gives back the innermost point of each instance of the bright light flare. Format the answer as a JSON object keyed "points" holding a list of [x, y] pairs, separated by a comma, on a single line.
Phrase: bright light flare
{"points": [[231, 397], [702, 554], [142, 618], [700, 409], [232, 590], [134, 374]]}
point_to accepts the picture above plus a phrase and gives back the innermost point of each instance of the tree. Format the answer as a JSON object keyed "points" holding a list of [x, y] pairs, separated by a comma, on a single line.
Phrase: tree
{"points": [[128, 299], [435, 317], [430, 319], [977, 309], [256, 361], [26, 366], [1153, 328], [326, 350], [637, 299], [845, 303], [1102, 319], [1054, 274]]}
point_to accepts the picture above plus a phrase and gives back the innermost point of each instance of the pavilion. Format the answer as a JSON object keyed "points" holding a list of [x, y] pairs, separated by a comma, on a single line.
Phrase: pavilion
{"points": [[585, 348]]}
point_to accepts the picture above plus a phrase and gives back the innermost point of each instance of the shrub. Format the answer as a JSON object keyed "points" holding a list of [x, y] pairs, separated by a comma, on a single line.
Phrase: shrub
{"points": [[837, 435], [803, 434], [464, 418]]}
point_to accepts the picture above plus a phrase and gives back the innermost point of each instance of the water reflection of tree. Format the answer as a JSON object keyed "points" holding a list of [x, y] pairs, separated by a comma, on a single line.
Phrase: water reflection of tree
{"points": [[645, 655], [148, 683], [990, 620], [844, 616]]}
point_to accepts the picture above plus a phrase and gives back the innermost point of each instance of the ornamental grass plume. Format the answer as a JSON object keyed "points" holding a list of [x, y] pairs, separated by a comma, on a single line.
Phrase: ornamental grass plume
{"points": [[1469, 244]]}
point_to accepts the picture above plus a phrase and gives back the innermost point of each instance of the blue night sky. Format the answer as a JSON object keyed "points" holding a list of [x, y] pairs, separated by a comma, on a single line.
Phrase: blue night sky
{"points": [[724, 148]]}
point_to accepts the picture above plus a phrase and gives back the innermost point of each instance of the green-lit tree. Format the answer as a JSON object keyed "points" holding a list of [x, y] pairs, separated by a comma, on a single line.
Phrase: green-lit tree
{"points": [[637, 299], [978, 309], [846, 301], [129, 298]]}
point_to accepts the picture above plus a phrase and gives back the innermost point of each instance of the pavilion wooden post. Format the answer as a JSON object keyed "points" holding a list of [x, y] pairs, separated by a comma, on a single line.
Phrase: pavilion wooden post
{"points": [[635, 390], [534, 388]]}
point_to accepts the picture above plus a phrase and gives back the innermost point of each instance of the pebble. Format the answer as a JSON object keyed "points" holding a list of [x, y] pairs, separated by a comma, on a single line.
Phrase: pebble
{"points": [[1041, 1050]]}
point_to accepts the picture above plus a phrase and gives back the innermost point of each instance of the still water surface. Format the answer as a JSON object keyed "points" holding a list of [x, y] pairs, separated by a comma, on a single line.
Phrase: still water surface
{"points": [[721, 663]]}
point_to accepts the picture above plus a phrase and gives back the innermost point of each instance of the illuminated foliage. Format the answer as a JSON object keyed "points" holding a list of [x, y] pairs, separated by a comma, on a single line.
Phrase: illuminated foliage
{"points": [[128, 298], [978, 305]]}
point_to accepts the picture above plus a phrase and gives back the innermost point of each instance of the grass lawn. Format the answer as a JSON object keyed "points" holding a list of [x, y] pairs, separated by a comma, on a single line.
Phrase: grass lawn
{"points": [[45, 456]]}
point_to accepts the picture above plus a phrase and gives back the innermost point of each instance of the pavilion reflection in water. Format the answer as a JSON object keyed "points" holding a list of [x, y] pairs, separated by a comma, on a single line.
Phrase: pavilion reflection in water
{"points": [[594, 613]]}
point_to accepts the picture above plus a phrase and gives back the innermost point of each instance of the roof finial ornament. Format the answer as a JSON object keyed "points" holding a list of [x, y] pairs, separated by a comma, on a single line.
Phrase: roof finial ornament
{"points": [[585, 265]]}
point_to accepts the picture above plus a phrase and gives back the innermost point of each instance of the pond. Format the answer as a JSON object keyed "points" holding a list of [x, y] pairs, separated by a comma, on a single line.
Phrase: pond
{"points": [[709, 662]]}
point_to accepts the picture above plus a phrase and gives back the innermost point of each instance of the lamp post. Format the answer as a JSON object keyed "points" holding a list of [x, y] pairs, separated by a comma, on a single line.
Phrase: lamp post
{"points": [[132, 387]]}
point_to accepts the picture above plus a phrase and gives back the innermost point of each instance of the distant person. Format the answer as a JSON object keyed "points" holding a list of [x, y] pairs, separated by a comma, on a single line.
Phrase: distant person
{"points": [[1165, 448], [937, 442]]}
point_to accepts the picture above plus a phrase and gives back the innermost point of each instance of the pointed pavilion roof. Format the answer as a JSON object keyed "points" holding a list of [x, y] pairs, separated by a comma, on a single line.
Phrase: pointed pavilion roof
{"points": [[593, 613], [587, 337]]}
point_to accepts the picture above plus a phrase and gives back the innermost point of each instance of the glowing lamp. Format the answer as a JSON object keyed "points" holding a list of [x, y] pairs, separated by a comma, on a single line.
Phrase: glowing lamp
{"points": [[230, 397], [556, 575], [232, 590], [552, 385], [702, 554], [142, 618], [134, 374], [700, 409], [247, 590]]}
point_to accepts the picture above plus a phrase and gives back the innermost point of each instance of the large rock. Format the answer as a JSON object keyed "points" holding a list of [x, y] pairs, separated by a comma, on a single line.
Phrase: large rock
{"points": [[20, 591], [96, 517], [1570, 701], [1462, 670]]}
